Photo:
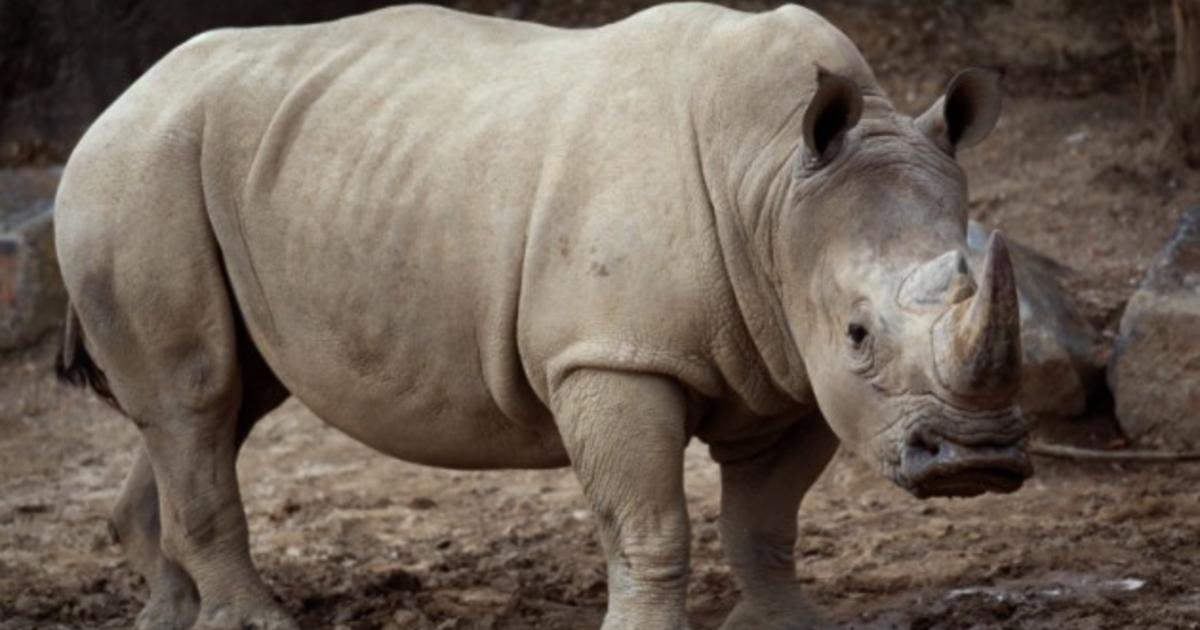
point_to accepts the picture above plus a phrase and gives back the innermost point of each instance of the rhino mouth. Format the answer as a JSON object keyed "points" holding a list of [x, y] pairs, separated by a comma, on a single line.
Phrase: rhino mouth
{"points": [[933, 465]]}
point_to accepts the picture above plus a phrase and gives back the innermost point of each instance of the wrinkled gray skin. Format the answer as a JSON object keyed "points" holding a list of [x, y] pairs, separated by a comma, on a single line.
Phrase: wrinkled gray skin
{"points": [[477, 243]]}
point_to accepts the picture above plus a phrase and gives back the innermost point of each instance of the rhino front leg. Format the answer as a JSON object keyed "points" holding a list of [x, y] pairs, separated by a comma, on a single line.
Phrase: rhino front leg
{"points": [[625, 434], [760, 498]]}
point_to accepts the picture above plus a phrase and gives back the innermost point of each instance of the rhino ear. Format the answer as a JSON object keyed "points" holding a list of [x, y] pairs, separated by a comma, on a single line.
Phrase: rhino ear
{"points": [[834, 109], [967, 112]]}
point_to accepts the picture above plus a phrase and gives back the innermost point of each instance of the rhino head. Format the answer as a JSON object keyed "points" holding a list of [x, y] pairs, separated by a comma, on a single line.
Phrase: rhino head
{"points": [[913, 358]]}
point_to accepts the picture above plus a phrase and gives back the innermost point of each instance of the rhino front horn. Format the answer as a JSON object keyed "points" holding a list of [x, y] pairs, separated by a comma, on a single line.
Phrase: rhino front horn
{"points": [[977, 343]]}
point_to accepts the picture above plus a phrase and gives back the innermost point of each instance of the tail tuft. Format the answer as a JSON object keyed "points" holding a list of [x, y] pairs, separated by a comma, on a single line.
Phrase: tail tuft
{"points": [[75, 366]]}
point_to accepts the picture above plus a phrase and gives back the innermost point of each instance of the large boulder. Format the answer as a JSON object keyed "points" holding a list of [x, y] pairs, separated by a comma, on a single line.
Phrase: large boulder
{"points": [[1063, 353], [32, 299], [1155, 369]]}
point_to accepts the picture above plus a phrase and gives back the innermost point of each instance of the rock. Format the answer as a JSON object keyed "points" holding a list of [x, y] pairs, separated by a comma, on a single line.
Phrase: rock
{"points": [[422, 503], [485, 598], [406, 619], [32, 298], [1155, 368], [1063, 353], [395, 580]]}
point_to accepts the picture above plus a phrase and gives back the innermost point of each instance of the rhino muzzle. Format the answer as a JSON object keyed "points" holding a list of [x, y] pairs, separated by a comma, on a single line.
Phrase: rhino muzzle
{"points": [[977, 342], [933, 464]]}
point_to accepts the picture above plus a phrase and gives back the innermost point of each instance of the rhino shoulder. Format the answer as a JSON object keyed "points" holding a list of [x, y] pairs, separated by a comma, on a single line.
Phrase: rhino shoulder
{"points": [[783, 45]]}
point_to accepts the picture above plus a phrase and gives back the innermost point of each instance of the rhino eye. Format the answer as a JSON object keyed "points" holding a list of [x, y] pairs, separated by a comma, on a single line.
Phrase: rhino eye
{"points": [[857, 334]]}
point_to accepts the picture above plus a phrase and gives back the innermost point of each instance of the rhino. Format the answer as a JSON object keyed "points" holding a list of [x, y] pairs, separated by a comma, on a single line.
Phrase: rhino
{"points": [[479, 243]]}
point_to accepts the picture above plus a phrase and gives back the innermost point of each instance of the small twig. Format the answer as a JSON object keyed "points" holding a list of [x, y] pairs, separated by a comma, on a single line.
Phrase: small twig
{"points": [[1071, 452]]}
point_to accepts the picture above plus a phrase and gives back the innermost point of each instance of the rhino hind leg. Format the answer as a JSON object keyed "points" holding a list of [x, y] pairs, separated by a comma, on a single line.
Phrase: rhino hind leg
{"points": [[145, 277], [190, 422], [760, 498], [174, 601]]}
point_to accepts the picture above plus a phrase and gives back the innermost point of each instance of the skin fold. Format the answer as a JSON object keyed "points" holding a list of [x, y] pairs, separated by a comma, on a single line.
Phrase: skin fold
{"points": [[478, 243]]}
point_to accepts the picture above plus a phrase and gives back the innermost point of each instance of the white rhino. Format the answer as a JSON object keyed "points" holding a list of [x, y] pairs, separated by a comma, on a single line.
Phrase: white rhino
{"points": [[478, 243]]}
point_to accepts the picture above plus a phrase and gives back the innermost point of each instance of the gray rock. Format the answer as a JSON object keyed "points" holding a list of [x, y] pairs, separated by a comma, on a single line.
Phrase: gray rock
{"points": [[1063, 353], [1155, 369], [405, 619], [32, 299]]}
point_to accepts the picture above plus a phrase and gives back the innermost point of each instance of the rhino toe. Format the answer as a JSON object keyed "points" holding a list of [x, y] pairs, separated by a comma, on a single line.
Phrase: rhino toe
{"points": [[168, 609], [265, 617]]}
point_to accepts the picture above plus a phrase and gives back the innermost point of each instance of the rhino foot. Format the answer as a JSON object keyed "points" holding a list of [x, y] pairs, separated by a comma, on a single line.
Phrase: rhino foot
{"points": [[646, 622], [174, 611], [796, 616], [244, 617]]}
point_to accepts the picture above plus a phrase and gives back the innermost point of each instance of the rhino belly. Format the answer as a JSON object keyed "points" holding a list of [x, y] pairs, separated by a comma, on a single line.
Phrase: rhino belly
{"points": [[397, 334], [410, 385]]}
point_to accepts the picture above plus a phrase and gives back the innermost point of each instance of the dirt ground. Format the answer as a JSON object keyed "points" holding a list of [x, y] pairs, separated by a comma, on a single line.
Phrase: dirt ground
{"points": [[1081, 167], [351, 539]]}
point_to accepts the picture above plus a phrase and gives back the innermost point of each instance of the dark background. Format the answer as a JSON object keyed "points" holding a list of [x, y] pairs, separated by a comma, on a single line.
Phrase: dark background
{"points": [[63, 61]]}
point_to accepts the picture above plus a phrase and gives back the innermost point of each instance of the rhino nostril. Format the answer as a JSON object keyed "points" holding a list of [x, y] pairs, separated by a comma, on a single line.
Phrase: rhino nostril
{"points": [[919, 442]]}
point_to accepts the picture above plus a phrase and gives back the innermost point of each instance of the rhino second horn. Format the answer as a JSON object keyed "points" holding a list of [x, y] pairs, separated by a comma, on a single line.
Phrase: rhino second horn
{"points": [[943, 280], [977, 343]]}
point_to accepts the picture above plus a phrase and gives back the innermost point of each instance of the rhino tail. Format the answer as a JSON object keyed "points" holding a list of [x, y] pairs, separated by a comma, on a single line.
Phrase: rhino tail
{"points": [[75, 366]]}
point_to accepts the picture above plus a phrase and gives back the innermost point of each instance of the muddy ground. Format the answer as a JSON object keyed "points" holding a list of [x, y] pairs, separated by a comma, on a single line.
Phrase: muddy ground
{"points": [[349, 538], [1081, 167]]}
